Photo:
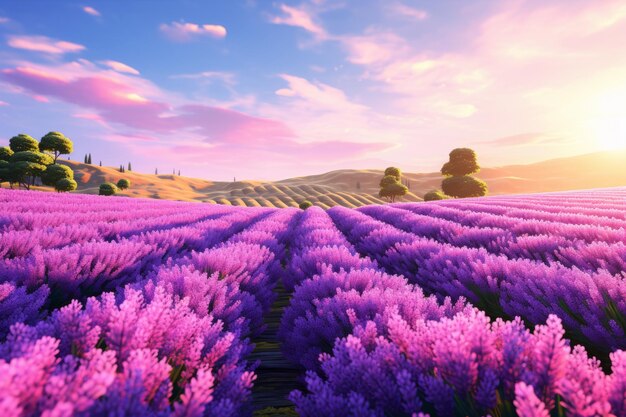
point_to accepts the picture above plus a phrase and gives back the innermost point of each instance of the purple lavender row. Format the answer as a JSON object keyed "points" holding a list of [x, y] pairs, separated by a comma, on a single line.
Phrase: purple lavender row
{"points": [[318, 246], [174, 299], [546, 248], [375, 345], [466, 365], [51, 278], [592, 306]]}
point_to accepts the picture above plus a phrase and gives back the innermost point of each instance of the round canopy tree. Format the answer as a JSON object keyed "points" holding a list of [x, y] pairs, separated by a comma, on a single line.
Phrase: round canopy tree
{"points": [[464, 186], [463, 161], [5, 153], [23, 143], [393, 191], [388, 180], [25, 166], [107, 188], [123, 184], [435, 195], [57, 144], [394, 172], [54, 173], [65, 185]]}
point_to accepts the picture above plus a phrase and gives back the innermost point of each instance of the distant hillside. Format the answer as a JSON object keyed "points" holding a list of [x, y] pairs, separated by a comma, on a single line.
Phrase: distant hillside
{"points": [[604, 169]]}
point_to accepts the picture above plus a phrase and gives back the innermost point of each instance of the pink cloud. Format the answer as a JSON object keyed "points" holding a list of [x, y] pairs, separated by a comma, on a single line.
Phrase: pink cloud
{"points": [[408, 12], [3, 103], [119, 101], [4, 20], [299, 17], [44, 44], [120, 67], [90, 10], [183, 32]]}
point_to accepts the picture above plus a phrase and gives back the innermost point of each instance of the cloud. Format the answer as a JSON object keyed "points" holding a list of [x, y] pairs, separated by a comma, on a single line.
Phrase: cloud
{"points": [[120, 67], [3, 103], [90, 10], [184, 32], [4, 20], [317, 96], [408, 12], [526, 139], [209, 76], [299, 17], [43, 44]]}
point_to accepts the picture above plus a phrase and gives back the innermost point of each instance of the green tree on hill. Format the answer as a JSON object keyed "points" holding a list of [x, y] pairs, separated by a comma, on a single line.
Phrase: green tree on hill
{"points": [[107, 188], [25, 166], [65, 185], [390, 185], [459, 182], [394, 172], [123, 184], [305, 205], [23, 143], [435, 195], [54, 173], [57, 144]]}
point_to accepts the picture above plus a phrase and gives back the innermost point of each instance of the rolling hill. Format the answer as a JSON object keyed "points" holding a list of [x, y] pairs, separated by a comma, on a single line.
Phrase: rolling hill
{"points": [[597, 170]]}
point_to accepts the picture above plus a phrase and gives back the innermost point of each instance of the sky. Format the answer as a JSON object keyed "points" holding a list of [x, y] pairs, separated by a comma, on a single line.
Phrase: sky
{"points": [[258, 89]]}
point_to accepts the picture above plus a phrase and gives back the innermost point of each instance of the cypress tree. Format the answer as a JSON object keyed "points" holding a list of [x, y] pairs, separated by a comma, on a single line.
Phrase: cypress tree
{"points": [[129, 168]]}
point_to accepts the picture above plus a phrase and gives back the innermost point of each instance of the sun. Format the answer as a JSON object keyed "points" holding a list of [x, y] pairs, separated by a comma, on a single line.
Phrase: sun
{"points": [[608, 126]]}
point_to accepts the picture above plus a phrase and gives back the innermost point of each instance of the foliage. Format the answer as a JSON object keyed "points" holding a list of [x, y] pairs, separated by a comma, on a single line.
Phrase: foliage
{"points": [[65, 184], [23, 143], [394, 172], [56, 172], [25, 166], [464, 186], [123, 184], [462, 162], [435, 195], [107, 188], [57, 144], [5, 153], [459, 183], [305, 205], [391, 188]]}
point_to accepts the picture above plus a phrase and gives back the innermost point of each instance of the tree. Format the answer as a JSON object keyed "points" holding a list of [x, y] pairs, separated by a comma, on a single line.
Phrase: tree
{"points": [[89, 159], [305, 205], [464, 186], [393, 190], [358, 185], [54, 173], [100, 163], [156, 171], [462, 162], [179, 172], [387, 180], [23, 143], [25, 166], [129, 168], [107, 188], [85, 159], [459, 182], [65, 185], [435, 195], [57, 144], [123, 184], [5, 153], [394, 172]]}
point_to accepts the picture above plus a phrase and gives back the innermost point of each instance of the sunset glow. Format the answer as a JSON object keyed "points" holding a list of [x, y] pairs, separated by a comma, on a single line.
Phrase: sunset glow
{"points": [[226, 88]]}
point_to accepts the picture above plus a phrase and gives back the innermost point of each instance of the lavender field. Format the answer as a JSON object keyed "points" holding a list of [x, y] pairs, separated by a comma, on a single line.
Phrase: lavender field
{"points": [[500, 306]]}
